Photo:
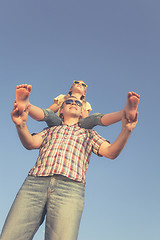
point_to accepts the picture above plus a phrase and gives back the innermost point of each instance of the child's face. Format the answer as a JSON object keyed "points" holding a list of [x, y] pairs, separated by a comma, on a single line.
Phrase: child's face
{"points": [[79, 86]]}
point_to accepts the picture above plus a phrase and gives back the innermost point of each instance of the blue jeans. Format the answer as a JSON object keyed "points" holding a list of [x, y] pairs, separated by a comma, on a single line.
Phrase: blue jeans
{"points": [[89, 122], [58, 198]]}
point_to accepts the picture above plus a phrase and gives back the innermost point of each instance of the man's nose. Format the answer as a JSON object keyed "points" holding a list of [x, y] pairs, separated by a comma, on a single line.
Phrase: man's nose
{"points": [[73, 103]]}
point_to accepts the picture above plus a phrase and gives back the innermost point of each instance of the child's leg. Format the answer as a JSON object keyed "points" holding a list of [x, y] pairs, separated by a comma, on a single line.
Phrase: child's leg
{"points": [[22, 96], [51, 118], [132, 105], [91, 121], [130, 109]]}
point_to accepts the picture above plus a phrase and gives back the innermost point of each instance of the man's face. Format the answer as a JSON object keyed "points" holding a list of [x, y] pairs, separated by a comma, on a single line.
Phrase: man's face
{"points": [[72, 107]]}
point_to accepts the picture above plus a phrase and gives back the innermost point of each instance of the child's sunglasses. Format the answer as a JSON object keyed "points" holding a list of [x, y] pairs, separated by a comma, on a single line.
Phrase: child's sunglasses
{"points": [[70, 101], [78, 82]]}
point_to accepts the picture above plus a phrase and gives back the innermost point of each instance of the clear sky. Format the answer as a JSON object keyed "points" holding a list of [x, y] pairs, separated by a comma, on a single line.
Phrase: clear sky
{"points": [[113, 46]]}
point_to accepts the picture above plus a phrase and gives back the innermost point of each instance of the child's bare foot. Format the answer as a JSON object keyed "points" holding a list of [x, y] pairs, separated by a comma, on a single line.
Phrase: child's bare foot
{"points": [[22, 96], [132, 105]]}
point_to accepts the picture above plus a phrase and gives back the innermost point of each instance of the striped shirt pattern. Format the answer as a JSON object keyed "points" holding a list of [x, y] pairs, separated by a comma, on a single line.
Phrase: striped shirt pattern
{"points": [[66, 150]]}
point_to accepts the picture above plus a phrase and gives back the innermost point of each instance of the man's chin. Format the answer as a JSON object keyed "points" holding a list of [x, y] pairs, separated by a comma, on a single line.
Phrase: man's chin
{"points": [[74, 115]]}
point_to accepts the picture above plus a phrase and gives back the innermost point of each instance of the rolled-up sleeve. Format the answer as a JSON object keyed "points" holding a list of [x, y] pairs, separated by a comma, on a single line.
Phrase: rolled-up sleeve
{"points": [[97, 140]]}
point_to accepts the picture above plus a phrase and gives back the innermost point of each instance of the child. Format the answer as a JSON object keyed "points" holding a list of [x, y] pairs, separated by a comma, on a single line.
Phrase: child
{"points": [[78, 89]]}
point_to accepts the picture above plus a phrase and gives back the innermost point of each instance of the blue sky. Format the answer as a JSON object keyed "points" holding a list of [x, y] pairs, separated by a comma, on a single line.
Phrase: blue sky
{"points": [[114, 47]]}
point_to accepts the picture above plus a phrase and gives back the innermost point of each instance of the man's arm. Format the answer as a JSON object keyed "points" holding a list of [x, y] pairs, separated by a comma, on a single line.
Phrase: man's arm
{"points": [[113, 150], [28, 141]]}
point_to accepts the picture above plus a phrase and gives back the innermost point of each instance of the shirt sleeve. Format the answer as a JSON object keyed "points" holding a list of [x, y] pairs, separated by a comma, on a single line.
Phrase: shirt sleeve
{"points": [[97, 140], [44, 133], [87, 106], [60, 99]]}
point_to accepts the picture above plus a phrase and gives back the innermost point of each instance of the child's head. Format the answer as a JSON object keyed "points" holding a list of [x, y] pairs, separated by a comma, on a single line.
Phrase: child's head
{"points": [[80, 87]]}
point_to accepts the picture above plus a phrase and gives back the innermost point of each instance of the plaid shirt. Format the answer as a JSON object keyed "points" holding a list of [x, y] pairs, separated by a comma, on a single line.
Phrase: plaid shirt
{"points": [[66, 150]]}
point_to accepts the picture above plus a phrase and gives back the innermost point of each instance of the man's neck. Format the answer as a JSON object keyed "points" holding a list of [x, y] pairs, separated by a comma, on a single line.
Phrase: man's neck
{"points": [[71, 121]]}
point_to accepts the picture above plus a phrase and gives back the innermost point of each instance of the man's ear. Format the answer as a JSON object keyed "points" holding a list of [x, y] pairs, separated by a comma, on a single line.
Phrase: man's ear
{"points": [[81, 115], [61, 110], [61, 113]]}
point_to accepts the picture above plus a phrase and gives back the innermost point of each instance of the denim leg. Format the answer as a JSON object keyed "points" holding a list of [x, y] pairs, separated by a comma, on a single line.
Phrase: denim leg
{"points": [[64, 209], [28, 210], [91, 121], [51, 118], [57, 197]]}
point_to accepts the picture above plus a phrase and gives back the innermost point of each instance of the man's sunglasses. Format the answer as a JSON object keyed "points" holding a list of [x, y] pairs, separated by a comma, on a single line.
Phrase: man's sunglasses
{"points": [[70, 101], [78, 82]]}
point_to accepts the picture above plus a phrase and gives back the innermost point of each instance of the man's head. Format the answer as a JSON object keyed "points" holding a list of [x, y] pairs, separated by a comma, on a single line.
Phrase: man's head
{"points": [[71, 108]]}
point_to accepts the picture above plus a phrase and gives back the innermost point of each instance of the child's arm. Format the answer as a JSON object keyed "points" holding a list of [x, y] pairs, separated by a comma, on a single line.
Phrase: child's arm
{"points": [[85, 113], [57, 102], [55, 106], [86, 109]]}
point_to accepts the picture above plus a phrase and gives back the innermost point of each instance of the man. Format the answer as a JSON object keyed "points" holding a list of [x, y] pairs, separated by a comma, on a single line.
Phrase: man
{"points": [[55, 186]]}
